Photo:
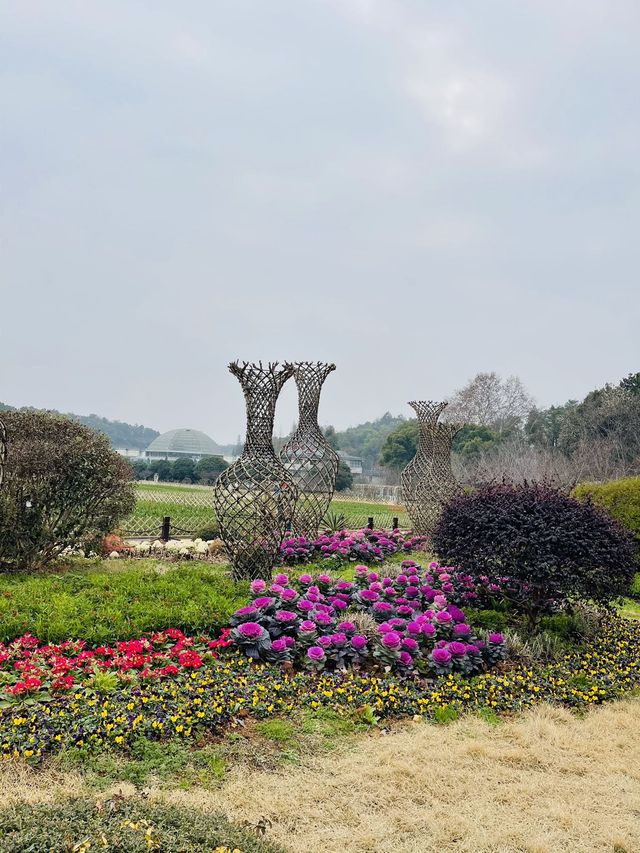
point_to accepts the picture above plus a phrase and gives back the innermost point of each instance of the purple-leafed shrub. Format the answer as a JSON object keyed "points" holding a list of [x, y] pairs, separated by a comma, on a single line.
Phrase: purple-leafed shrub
{"points": [[538, 544]]}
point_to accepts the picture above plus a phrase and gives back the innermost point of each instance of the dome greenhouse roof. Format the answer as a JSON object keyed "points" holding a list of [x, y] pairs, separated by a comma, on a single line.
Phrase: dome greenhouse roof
{"points": [[184, 442]]}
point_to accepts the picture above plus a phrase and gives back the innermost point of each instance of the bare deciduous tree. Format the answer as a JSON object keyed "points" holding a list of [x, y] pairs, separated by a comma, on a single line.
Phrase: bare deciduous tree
{"points": [[515, 460], [488, 400]]}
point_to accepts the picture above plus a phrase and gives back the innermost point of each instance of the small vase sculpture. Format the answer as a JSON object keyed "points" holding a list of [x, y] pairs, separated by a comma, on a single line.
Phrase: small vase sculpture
{"points": [[255, 497], [307, 455], [427, 481]]}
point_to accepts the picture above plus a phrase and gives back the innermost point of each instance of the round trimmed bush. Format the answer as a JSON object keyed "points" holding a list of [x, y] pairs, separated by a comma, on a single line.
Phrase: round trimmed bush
{"points": [[63, 487], [551, 547]]}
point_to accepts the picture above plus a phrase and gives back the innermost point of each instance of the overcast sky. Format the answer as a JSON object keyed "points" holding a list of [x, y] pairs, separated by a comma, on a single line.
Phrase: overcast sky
{"points": [[415, 190]]}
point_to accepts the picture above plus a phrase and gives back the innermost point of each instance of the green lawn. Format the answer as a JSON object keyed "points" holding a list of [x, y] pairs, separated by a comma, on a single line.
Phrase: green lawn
{"points": [[170, 488], [105, 600], [185, 520], [190, 509], [630, 608]]}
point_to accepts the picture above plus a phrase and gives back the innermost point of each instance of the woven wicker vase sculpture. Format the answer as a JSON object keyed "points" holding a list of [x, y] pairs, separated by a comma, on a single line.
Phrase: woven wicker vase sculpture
{"points": [[443, 485], [255, 497], [427, 481], [415, 477], [3, 450], [307, 455]]}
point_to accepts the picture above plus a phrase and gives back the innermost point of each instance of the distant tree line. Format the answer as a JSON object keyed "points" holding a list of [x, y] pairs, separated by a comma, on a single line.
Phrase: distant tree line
{"points": [[205, 471], [120, 434], [365, 440]]}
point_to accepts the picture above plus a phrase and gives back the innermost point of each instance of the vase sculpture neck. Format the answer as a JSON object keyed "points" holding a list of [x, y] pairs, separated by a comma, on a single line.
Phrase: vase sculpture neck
{"points": [[428, 413], [310, 377], [261, 387]]}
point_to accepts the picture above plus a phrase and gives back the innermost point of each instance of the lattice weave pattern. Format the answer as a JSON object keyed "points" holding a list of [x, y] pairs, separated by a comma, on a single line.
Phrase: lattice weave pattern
{"points": [[308, 457], [428, 481], [254, 498], [3, 450]]}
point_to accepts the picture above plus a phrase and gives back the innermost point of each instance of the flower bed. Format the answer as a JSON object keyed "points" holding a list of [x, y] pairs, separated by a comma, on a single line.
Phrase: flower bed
{"points": [[372, 546], [415, 622], [196, 701], [32, 672]]}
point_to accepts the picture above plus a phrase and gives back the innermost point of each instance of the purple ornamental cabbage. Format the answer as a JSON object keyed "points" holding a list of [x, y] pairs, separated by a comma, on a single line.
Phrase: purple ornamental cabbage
{"points": [[442, 657], [392, 640]]}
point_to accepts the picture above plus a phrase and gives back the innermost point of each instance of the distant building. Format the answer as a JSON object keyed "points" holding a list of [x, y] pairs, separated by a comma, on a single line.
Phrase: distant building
{"points": [[182, 443], [354, 462], [130, 453]]}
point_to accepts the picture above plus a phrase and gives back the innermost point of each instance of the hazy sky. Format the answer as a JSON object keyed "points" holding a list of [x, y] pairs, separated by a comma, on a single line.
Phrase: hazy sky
{"points": [[415, 190]]}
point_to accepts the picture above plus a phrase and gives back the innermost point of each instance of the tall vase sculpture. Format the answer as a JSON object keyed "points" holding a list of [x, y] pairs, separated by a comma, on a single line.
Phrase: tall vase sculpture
{"points": [[3, 450], [443, 485], [307, 455], [427, 481], [255, 497]]}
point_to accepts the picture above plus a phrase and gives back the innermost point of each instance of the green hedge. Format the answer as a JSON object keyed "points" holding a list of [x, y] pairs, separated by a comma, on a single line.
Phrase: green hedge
{"points": [[620, 497], [104, 601], [131, 825]]}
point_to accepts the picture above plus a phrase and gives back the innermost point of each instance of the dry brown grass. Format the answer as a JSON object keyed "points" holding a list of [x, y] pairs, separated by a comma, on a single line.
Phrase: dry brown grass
{"points": [[546, 782], [20, 783]]}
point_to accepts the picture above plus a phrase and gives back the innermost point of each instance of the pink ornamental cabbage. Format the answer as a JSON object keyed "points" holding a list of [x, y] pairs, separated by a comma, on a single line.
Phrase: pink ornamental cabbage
{"points": [[444, 617], [405, 659], [392, 640], [251, 630], [442, 657], [316, 654]]}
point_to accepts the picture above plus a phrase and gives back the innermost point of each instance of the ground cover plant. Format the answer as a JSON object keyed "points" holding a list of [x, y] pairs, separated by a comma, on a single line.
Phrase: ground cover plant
{"points": [[103, 601], [31, 671], [127, 824], [332, 549], [393, 640], [91, 697]]}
